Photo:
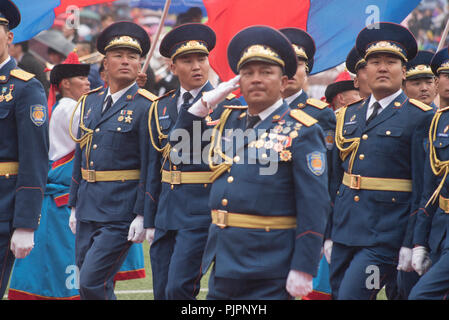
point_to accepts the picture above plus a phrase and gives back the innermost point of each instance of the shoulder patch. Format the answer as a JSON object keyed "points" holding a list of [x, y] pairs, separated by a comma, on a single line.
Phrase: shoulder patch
{"points": [[21, 74], [147, 94], [355, 102], [420, 105], [166, 94], [95, 90], [230, 96], [303, 117], [236, 107], [317, 103]]}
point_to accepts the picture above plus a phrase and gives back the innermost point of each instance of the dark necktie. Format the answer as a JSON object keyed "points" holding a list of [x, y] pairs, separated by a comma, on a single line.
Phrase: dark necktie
{"points": [[251, 121], [376, 107], [108, 104], [186, 98]]}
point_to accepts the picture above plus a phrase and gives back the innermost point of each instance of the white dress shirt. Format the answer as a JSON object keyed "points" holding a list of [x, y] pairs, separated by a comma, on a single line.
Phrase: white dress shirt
{"points": [[115, 96], [293, 97], [193, 92]]}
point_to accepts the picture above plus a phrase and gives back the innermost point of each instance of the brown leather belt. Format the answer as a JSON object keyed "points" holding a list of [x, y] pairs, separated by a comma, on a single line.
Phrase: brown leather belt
{"points": [[225, 219]]}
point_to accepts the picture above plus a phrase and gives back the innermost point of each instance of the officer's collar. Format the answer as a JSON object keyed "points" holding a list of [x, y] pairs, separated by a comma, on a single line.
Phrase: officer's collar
{"points": [[292, 98], [5, 62]]}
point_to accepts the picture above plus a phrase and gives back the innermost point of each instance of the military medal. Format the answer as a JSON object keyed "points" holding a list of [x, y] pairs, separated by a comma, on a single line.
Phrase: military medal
{"points": [[446, 129], [277, 129], [286, 130], [269, 144], [285, 155], [9, 96], [260, 144], [281, 138], [2, 97], [278, 147], [120, 118], [293, 134], [352, 118], [264, 135], [128, 119]]}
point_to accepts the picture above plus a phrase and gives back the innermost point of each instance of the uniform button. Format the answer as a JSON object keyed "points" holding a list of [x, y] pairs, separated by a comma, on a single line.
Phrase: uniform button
{"points": [[264, 156], [119, 129], [95, 146], [388, 132], [362, 156], [393, 200], [224, 202], [7, 176], [172, 187], [365, 136], [236, 159], [175, 167], [97, 130], [356, 198], [91, 163], [230, 179], [205, 185]]}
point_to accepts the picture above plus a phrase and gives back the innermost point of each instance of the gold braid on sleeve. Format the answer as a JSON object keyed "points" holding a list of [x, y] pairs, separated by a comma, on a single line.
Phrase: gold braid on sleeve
{"points": [[438, 167], [340, 141], [165, 150]]}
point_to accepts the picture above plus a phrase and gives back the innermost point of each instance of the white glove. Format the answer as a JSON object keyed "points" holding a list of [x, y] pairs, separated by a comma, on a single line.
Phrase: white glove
{"points": [[136, 231], [22, 241], [72, 220], [420, 260], [150, 235], [299, 283], [212, 98], [328, 249], [405, 259]]}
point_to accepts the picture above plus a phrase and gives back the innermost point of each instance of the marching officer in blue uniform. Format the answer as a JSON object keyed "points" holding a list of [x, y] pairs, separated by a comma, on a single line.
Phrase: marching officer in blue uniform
{"points": [[430, 235], [23, 151], [294, 95], [264, 243], [178, 177], [356, 65], [420, 80], [109, 171], [380, 165], [440, 68]]}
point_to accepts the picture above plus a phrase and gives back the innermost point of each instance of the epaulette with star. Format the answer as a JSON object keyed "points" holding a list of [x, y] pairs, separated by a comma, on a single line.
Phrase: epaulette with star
{"points": [[317, 103], [21, 74], [147, 94], [303, 117], [424, 107]]}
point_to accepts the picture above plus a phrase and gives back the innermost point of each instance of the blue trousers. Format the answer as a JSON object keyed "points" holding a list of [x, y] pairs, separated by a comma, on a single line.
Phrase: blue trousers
{"points": [[6, 256], [246, 289], [176, 263], [100, 251], [434, 284], [358, 273]]}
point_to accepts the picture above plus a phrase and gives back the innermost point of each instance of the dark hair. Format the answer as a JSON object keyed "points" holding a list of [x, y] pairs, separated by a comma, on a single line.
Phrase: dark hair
{"points": [[24, 45]]}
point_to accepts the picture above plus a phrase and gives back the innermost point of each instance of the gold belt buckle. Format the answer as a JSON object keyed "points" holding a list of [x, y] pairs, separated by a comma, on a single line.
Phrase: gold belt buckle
{"points": [[175, 177], [222, 218], [91, 177], [355, 181]]}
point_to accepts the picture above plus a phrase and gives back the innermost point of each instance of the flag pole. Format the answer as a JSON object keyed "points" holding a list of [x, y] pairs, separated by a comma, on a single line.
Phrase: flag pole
{"points": [[443, 36], [156, 37]]}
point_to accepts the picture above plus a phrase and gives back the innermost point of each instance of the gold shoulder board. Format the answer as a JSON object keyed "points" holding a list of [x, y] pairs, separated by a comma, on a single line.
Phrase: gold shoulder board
{"points": [[21, 74], [147, 94], [303, 117], [443, 109], [317, 103], [420, 105], [230, 96], [236, 107]]}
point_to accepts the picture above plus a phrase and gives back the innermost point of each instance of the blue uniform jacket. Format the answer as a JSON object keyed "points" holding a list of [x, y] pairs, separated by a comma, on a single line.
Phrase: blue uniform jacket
{"points": [[391, 146], [180, 206], [279, 173], [120, 141], [431, 221], [24, 139]]}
